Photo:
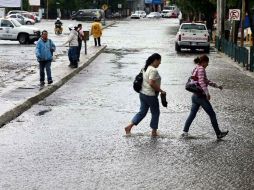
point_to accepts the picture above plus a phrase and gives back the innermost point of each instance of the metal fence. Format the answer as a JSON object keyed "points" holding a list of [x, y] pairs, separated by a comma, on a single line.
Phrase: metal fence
{"points": [[239, 54]]}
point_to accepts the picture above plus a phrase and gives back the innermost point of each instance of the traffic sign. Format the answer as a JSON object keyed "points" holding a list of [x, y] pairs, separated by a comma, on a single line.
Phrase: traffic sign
{"points": [[104, 7], [234, 14]]}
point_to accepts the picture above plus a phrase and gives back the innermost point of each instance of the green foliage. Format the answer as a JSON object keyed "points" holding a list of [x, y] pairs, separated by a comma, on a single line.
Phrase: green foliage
{"points": [[25, 5]]}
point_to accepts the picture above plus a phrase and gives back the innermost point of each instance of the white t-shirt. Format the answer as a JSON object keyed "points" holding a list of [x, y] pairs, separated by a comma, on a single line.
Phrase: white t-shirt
{"points": [[150, 74]]}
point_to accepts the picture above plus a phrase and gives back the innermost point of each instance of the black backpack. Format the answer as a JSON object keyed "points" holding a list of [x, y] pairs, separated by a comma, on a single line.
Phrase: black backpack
{"points": [[137, 84]]}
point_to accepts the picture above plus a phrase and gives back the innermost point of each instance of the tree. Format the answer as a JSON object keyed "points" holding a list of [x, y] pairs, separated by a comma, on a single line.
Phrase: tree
{"points": [[196, 9]]}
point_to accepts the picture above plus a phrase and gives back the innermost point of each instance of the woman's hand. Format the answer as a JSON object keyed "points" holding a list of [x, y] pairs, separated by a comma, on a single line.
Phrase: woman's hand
{"points": [[220, 87], [208, 97], [163, 92]]}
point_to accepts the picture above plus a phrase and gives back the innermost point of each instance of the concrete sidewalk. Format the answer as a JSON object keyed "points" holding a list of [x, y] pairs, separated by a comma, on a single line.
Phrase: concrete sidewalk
{"points": [[20, 98]]}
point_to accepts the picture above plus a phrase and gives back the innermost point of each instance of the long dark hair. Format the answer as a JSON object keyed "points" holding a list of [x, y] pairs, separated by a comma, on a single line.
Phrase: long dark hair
{"points": [[201, 59], [204, 58], [151, 59], [197, 60]]}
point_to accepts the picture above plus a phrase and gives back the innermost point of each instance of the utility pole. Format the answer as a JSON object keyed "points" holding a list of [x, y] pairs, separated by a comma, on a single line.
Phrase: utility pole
{"points": [[222, 17], [47, 9], [243, 19], [218, 31]]}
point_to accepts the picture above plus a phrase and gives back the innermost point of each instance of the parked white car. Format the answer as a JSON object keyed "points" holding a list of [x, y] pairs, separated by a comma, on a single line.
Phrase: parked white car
{"points": [[138, 14], [36, 15], [192, 36], [164, 13], [21, 19], [11, 29], [16, 12], [170, 11], [154, 15]]}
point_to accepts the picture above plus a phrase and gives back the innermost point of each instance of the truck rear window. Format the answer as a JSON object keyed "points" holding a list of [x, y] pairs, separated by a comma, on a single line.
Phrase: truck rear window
{"points": [[193, 27]]}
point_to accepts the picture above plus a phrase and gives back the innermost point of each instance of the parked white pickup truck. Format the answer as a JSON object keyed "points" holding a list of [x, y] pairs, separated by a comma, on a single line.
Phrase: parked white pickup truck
{"points": [[192, 36], [11, 29]]}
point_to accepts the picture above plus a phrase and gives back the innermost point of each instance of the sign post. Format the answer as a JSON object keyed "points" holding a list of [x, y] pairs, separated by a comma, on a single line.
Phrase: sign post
{"points": [[86, 38], [104, 7], [234, 15]]}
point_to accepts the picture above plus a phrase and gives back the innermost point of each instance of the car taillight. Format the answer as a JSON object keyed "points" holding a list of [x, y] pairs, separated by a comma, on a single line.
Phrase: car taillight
{"points": [[208, 38], [180, 37]]}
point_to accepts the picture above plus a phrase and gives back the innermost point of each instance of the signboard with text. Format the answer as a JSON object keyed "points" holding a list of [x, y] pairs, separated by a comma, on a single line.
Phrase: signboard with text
{"points": [[10, 3], [148, 1], [153, 2], [34, 2], [157, 2], [234, 14]]}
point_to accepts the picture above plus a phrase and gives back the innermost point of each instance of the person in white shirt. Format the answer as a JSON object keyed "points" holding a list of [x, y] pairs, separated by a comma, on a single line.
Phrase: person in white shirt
{"points": [[73, 46], [151, 87]]}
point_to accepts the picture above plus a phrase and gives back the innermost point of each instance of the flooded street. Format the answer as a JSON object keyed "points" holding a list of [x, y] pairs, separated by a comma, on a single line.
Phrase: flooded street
{"points": [[75, 139]]}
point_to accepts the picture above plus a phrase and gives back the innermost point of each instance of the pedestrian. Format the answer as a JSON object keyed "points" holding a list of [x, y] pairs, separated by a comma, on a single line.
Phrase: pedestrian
{"points": [[44, 53], [203, 100], [80, 39], [73, 46], [96, 31], [149, 94]]}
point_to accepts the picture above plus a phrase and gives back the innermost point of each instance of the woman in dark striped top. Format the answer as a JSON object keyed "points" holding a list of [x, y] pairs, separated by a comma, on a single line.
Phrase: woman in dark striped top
{"points": [[199, 75]]}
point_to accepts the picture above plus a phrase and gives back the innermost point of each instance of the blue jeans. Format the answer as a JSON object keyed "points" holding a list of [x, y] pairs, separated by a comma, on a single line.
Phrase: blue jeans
{"points": [[73, 55], [198, 101], [147, 102], [43, 65]]}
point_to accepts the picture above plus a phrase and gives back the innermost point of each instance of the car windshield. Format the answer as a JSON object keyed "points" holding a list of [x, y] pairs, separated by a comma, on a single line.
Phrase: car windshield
{"points": [[193, 27], [16, 23], [169, 8]]}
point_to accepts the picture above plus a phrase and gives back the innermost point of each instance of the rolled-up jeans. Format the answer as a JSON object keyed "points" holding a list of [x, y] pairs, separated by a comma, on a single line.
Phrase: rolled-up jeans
{"points": [[202, 101], [147, 102], [73, 54]]}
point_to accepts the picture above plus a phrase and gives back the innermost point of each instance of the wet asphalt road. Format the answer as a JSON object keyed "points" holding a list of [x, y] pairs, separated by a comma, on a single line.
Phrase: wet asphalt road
{"points": [[18, 62], [74, 139]]}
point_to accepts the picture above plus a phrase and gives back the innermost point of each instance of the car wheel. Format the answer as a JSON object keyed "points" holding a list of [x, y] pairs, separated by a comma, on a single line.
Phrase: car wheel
{"points": [[177, 47], [31, 41], [207, 50], [23, 38], [28, 22]]}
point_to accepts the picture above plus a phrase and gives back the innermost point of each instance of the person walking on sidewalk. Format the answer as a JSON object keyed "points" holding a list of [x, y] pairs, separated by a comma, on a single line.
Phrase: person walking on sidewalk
{"points": [[96, 31], [80, 39], [203, 100], [149, 94], [44, 54], [73, 46]]}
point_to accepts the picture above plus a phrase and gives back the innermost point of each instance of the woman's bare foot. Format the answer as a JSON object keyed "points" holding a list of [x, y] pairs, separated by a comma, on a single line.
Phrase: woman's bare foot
{"points": [[154, 133], [128, 129]]}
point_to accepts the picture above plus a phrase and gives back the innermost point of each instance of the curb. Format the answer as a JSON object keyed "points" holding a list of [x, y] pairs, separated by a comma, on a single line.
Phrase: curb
{"points": [[19, 109]]}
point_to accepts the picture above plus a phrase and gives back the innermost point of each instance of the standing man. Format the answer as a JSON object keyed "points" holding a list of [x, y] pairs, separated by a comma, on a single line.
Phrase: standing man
{"points": [[73, 46], [44, 53], [96, 31], [80, 39]]}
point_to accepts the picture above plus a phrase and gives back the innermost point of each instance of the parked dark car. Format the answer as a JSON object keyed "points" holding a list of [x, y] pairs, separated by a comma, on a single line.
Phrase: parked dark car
{"points": [[88, 14]]}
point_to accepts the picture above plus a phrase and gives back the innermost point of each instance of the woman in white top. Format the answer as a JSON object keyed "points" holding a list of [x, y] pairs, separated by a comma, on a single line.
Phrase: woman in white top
{"points": [[149, 94]]}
